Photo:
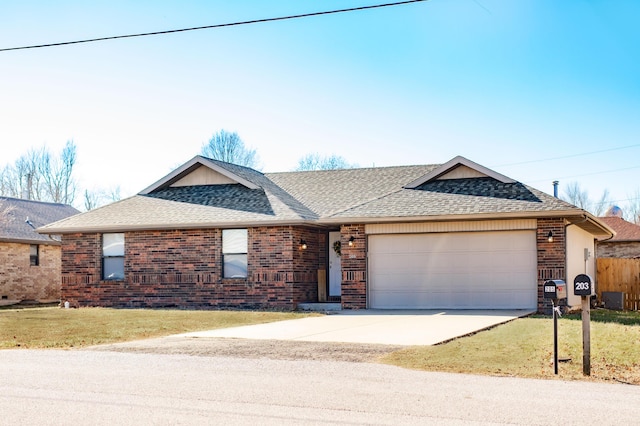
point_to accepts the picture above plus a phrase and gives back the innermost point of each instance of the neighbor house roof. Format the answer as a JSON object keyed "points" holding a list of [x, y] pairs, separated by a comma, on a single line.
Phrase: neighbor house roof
{"points": [[625, 231], [209, 193], [19, 219]]}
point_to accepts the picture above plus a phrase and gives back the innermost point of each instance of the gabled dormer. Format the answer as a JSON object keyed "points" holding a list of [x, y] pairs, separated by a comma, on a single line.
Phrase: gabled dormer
{"points": [[458, 168], [200, 171]]}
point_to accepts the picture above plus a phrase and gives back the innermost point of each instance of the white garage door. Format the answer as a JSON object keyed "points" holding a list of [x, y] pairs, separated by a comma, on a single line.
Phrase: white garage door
{"points": [[462, 270]]}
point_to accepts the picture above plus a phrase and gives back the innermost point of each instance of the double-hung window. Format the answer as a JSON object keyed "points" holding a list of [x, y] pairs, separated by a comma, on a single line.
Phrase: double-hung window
{"points": [[113, 256], [34, 255], [234, 253]]}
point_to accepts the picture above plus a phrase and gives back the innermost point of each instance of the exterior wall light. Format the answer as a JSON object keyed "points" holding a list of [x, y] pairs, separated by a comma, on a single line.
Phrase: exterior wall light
{"points": [[303, 245], [351, 241], [550, 237]]}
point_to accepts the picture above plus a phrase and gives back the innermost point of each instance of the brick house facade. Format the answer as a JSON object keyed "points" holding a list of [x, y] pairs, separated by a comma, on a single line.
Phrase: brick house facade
{"points": [[30, 263], [173, 253], [20, 281], [184, 270]]}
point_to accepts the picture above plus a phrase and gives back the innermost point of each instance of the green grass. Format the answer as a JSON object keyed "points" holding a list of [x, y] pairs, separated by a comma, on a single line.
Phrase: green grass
{"points": [[524, 348], [52, 327]]}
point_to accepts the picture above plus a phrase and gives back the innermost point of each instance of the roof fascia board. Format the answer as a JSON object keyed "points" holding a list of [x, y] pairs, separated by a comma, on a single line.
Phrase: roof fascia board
{"points": [[49, 242], [440, 218], [572, 216], [190, 165], [588, 217], [453, 163], [185, 226]]}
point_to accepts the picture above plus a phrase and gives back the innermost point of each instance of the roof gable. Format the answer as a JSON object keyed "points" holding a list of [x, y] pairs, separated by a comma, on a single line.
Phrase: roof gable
{"points": [[201, 171], [459, 168]]}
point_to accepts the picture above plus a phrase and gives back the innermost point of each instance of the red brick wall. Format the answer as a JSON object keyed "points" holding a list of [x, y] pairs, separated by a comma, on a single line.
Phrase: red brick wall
{"points": [[19, 281], [184, 269], [551, 255], [306, 263], [354, 267]]}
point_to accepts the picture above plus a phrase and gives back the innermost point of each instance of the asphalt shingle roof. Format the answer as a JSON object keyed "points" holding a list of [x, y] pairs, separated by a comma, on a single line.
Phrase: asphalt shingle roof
{"points": [[459, 197], [313, 197], [327, 192], [625, 231], [19, 218]]}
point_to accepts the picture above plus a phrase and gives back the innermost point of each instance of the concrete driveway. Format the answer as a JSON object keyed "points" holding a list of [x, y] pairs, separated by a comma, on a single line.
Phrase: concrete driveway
{"points": [[426, 327]]}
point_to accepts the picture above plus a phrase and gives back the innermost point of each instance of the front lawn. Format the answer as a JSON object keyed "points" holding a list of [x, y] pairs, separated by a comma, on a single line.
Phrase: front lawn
{"points": [[52, 327], [524, 348]]}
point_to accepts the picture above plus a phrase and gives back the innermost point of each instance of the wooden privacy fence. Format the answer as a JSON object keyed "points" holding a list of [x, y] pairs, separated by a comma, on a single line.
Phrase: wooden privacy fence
{"points": [[622, 275]]}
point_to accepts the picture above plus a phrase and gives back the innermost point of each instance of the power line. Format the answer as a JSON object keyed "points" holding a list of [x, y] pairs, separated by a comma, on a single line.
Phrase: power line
{"points": [[568, 156], [588, 174], [206, 27]]}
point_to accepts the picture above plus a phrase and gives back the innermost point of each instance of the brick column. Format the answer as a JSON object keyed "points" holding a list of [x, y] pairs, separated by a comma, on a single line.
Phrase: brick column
{"points": [[354, 267], [552, 256]]}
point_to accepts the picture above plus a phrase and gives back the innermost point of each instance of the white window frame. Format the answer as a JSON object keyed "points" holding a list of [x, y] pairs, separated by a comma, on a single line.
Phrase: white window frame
{"points": [[113, 256], [234, 253]]}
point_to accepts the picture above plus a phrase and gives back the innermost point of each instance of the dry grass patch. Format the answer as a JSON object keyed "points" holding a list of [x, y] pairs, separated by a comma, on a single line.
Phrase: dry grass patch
{"points": [[53, 327], [524, 348]]}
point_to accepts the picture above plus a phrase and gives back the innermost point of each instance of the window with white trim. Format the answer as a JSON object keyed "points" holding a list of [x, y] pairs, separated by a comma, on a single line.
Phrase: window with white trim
{"points": [[234, 253], [113, 256]]}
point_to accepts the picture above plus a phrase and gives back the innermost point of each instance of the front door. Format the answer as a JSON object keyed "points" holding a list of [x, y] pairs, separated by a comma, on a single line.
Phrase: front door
{"points": [[335, 269]]}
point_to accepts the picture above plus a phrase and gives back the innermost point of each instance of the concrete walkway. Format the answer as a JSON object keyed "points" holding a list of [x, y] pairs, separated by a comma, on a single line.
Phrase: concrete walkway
{"points": [[409, 328]]}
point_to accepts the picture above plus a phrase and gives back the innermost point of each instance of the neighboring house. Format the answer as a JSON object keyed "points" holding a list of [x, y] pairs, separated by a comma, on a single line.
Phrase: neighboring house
{"points": [[217, 235], [626, 242], [30, 268]]}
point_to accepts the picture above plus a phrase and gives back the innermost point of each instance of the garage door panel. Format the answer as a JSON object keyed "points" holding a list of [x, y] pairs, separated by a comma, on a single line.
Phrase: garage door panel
{"points": [[467, 270]]}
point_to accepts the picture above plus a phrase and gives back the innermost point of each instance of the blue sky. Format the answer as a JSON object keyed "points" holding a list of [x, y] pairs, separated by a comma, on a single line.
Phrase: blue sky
{"points": [[537, 90]]}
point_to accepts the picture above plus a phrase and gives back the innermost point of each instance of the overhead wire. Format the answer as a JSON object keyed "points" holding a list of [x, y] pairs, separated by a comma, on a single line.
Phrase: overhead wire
{"points": [[568, 156], [206, 27], [583, 174]]}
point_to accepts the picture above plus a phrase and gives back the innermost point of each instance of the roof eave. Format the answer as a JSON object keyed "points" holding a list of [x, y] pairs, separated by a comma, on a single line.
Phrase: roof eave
{"points": [[49, 242], [591, 224], [576, 217], [176, 226]]}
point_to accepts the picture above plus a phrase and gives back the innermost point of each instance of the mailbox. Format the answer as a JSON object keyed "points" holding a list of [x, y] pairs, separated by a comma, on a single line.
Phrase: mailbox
{"points": [[583, 285], [555, 289]]}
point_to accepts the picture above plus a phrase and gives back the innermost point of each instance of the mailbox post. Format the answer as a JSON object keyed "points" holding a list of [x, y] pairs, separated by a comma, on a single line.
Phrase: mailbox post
{"points": [[554, 290], [583, 287]]}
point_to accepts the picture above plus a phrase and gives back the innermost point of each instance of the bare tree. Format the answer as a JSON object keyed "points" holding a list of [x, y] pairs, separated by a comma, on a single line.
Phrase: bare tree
{"points": [[632, 210], [97, 198], [38, 176], [91, 200], [601, 206], [57, 174], [576, 196], [23, 178], [226, 146], [316, 162]]}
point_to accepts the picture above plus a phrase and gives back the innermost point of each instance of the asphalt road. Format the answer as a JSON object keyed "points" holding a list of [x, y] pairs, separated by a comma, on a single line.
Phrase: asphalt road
{"points": [[99, 388]]}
